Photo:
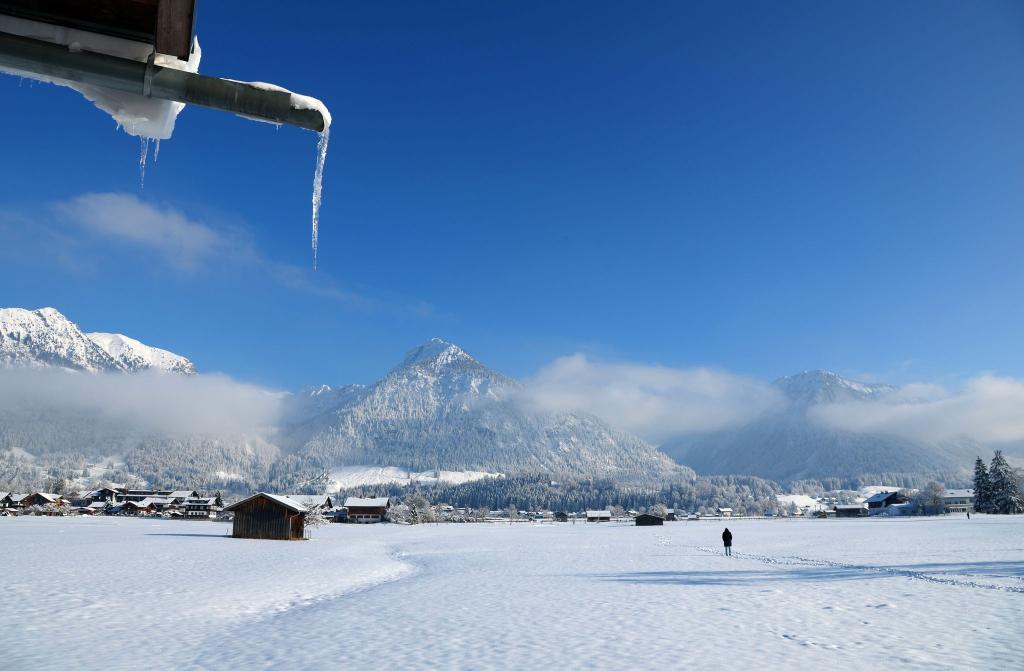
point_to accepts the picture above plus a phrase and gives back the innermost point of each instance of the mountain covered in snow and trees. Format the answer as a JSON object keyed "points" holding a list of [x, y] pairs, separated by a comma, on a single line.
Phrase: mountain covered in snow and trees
{"points": [[791, 443], [439, 416], [439, 411], [45, 337]]}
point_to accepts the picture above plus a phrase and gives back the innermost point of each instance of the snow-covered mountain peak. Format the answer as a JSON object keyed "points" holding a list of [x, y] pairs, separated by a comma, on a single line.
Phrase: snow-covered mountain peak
{"points": [[46, 338], [825, 386], [443, 409], [436, 352], [48, 314], [133, 355]]}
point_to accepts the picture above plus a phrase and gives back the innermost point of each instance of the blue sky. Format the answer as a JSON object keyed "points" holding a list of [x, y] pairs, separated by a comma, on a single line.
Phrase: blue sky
{"points": [[758, 188]]}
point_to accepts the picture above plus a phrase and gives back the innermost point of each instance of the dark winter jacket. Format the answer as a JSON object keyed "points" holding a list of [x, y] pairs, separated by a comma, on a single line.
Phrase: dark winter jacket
{"points": [[727, 538]]}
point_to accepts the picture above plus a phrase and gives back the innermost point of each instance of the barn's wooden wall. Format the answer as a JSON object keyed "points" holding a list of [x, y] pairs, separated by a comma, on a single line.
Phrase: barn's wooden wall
{"points": [[262, 518]]}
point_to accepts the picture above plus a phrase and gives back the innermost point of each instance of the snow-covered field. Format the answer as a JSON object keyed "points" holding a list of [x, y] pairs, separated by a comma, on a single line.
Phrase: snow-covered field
{"points": [[799, 594]]}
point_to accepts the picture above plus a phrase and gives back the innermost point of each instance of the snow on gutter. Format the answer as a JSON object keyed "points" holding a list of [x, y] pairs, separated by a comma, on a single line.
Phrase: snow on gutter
{"points": [[142, 93]]}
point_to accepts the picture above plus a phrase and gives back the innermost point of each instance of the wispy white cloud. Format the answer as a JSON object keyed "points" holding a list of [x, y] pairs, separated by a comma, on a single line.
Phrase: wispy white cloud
{"points": [[149, 402], [988, 409], [654, 402], [182, 242]]}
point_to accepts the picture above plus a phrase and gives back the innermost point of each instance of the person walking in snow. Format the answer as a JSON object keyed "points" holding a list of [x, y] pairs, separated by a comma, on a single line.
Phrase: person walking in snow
{"points": [[727, 540]]}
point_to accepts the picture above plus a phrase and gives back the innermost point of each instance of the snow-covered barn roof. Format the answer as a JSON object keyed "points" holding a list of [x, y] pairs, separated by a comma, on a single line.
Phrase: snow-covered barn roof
{"points": [[277, 498], [952, 494], [599, 513], [879, 497], [377, 502], [850, 506]]}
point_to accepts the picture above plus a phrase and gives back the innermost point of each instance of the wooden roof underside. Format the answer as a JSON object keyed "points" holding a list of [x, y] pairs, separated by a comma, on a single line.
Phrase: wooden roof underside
{"points": [[166, 24]]}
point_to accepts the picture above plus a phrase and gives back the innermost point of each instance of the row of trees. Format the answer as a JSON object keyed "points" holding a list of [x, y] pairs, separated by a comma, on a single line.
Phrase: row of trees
{"points": [[997, 489], [745, 495]]}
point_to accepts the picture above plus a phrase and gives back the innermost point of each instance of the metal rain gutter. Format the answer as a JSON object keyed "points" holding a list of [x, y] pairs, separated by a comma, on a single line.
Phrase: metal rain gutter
{"points": [[146, 79]]}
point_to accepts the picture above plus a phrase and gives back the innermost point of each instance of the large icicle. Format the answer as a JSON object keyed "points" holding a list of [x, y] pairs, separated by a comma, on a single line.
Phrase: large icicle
{"points": [[309, 103], [318, 183], [144, 141]]}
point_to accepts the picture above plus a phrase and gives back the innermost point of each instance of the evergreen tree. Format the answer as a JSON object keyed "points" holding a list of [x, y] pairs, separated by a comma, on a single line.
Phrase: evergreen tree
{"points": [[1006, 498], [982, 487]]}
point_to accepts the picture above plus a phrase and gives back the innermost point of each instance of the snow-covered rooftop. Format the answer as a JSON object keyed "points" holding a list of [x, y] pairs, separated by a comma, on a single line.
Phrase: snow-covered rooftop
{"points": [[958, 494], [377, 502], [277, 498]]}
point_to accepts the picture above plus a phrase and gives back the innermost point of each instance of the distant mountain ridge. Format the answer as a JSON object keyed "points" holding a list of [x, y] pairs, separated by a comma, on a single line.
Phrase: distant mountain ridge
{"points": [[46, 338], [824, 386], [790, 445], [438, 410]]}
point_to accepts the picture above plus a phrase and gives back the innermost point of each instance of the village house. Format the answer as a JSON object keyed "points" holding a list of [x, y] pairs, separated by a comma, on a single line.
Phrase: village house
{"points": [[199, 508], [158, 503], [268, 516], [8, 500], [725, 512], [102, 495], [648, 520], [561, 516], [883, 500], [179, 497], [123, 495], [367, 510], [670, 514], [599, 516], [42, 499], [851, 510], [958, 500], [137, 508]]}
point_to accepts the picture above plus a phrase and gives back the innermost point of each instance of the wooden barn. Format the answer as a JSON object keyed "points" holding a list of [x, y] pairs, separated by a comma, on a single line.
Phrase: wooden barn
{"points": [[561, 516], [851, 510], [268, 516], [647, 520]]}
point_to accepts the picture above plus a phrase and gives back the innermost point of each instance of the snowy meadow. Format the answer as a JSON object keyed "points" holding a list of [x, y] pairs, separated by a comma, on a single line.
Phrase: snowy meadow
{"points": [[931, 593]]}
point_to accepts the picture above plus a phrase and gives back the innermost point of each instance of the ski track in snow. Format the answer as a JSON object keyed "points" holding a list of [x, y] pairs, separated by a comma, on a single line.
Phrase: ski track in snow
{"points": [[896, 572]]}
